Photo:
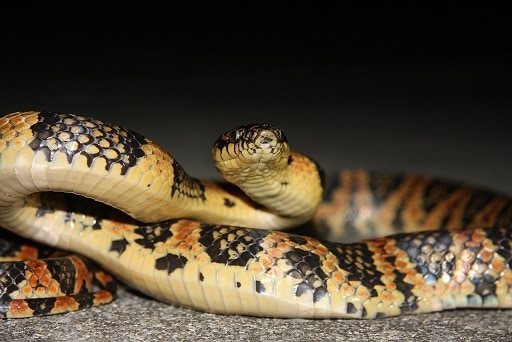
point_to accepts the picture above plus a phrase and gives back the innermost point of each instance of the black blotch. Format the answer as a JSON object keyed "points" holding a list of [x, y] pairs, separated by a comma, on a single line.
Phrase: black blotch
{"points": [[63, 270], [138, 153], [259, 287], [185, 185], [294, 274], [368, 275], [228, 203], [170, 263], [238, 284], [41, 306], [50, 125], [225, 249], [319, 293], [151, 234], [201, 276], [298, 239], [503, 239], [306, 266], [119, 245], [301, 288], [351, 309]]}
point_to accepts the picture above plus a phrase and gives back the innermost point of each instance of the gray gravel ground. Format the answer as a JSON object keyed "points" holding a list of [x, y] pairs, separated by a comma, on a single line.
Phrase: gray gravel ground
{"points": [[135, 318]]}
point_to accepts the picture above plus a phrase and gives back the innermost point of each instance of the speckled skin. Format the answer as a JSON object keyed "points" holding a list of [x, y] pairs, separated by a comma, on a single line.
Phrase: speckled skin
{"points": [[223, 267]]}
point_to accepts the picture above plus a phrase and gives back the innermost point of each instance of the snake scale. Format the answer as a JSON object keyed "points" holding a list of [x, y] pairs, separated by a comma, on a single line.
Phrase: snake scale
{"points": [[112, 197]]}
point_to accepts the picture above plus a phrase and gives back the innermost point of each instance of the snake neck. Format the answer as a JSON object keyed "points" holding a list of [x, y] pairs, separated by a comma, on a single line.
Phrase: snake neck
{"points": [[293, 190]]}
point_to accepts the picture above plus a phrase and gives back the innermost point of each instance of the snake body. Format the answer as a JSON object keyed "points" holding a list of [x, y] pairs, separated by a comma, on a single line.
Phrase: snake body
{"points": [[114, 196]]}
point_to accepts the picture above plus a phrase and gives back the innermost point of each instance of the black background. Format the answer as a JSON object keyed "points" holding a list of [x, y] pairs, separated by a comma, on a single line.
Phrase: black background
{"points": [[420, 88]]}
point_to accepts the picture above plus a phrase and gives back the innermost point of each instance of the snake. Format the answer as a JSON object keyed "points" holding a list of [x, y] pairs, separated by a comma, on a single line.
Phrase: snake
{"points": [[86, 204]]}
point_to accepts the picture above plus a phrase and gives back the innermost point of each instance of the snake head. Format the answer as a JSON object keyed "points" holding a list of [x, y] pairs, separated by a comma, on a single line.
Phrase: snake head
{"points": [[250, 148]]}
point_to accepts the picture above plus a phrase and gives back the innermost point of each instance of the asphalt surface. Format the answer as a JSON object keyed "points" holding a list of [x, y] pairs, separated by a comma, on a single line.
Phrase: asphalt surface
{"points": [[134, 318]]}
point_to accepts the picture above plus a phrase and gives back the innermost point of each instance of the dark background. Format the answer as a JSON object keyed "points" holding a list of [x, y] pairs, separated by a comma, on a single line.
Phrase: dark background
{"points": [[418, 88]]}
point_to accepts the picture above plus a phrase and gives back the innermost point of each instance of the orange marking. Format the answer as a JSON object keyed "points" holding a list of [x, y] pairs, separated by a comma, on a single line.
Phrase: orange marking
{"points": [[103, 278], [339, 277], [275, 253], [39, 272], [322, 250], [266, 260], [410, 272], [255, 267], [460, 238], [65, 303], [506, 276], [27, 252], [497, 264], [16, 120], [467, 287], [41, 291], [346, 288], [362, 292], [391, 286], [387, 267], [389, 248], [283, 246], [419, 281], [45, 280], [191, 239], [390, 276], [478, 236], [386, 297], [33, 280], [102, 297], [19, 308], [377, 251], [54, 288], [183, 246], [27, 290], [485, 255]]}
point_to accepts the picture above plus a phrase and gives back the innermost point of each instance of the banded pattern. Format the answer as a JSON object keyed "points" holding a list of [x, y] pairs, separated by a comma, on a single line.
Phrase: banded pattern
{"points": [[61, 175], [363, 205]]}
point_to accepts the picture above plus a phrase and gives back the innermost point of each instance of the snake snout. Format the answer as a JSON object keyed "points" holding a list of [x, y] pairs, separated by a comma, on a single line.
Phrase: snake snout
{"points": [[266, 139]]}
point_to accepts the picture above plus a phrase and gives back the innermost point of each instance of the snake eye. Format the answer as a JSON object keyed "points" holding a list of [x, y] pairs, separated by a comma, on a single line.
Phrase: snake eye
{"points": [[237, 134], [232, 136]]}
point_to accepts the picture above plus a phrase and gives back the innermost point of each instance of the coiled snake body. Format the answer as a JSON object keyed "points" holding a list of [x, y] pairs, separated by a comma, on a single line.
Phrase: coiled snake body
{"points": [[199, 247]]}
